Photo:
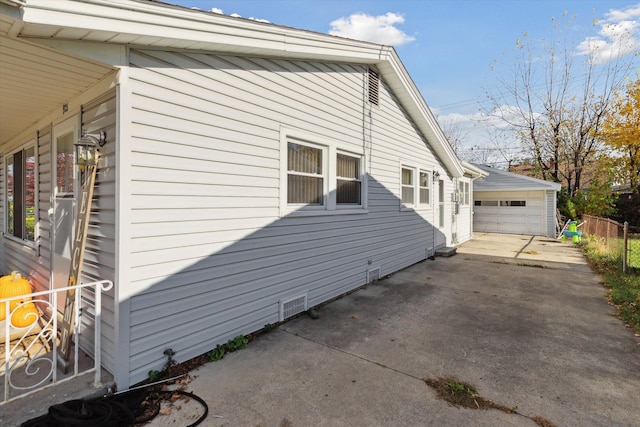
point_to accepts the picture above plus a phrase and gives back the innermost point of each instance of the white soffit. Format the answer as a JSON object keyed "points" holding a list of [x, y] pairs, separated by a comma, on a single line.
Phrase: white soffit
{"points": [[35, 80], [156, 24]]}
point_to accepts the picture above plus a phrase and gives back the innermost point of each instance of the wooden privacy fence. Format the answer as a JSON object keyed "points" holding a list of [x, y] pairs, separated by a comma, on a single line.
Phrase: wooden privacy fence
{"points": [[620, 240]]}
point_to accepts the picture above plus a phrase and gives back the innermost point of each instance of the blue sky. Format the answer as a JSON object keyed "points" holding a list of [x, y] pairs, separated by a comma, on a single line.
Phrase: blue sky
{"points": [[448, 46]]}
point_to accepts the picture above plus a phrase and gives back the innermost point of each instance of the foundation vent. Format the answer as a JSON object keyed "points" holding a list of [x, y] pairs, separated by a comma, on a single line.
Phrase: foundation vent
{"points": [[292, 306], [373, 274]]}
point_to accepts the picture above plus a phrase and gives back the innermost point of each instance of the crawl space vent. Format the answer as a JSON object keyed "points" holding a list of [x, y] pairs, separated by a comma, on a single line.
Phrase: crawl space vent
{"points": [[292, 306], [373, 274]]}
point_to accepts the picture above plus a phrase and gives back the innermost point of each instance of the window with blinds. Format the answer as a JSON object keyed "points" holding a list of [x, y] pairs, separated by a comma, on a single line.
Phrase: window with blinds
{"points": [[322, 177], [349, 180], [305, 180]]}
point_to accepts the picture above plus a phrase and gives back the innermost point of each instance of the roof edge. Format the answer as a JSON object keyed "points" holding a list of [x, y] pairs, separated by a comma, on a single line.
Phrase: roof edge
{"points": [[172, 24], [544, 185]]}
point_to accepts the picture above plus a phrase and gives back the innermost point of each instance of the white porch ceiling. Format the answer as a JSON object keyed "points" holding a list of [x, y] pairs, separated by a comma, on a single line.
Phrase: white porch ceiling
{"points": [[36, 80]]}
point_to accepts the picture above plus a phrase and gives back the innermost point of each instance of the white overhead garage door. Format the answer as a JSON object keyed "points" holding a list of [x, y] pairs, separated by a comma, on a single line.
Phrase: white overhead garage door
{"points": [[509, 212]]}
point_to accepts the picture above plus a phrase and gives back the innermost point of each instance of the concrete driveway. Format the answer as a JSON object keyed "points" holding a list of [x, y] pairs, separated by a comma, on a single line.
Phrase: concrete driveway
{"points": [[521, 318]]}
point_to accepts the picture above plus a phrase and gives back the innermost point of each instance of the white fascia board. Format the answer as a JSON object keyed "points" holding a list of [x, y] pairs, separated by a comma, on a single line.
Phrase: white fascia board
{"points": [[512, 190], [472, 170], [541, 183], [168, 24]]}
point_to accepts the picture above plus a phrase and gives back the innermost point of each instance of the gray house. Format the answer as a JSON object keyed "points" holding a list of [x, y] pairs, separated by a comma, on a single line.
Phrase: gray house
{"points": [[250, 171], [506, 202]]}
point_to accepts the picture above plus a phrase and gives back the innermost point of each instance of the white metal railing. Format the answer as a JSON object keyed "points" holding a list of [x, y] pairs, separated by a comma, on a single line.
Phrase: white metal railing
{"points": [[31, 358]]}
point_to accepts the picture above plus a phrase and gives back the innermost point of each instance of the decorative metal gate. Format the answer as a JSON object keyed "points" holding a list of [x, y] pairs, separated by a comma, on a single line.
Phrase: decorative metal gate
{"points": [[31, 354]]}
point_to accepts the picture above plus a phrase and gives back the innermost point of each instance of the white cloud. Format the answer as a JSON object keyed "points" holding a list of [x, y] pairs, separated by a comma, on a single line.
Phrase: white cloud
{"points": [[235, 15], [618, 36], [377, 29], [615, 15]]}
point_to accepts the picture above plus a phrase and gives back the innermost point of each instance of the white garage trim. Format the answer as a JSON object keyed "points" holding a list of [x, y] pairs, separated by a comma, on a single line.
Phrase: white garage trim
{"points": [[511, 212], [508, 203]]}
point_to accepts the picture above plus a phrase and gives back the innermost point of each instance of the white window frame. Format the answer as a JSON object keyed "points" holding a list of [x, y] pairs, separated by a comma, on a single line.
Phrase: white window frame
{"points": [[463, 189], [21, 236], [359, 179], [331, 149], [416, 203], [429, 174], [406, 205], [323, 174]]}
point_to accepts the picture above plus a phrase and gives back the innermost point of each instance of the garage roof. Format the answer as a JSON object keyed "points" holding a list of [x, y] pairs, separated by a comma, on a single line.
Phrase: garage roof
{"points": [[499, 180]]}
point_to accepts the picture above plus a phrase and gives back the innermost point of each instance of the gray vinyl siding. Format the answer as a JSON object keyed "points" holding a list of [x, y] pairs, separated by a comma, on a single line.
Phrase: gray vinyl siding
{"points": [[551, 213], [210, 254], [40, 275], [99, 256]]}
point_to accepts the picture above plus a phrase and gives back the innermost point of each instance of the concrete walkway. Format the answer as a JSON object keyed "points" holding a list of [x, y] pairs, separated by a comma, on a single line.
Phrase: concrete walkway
{"points": [[522, 319]]}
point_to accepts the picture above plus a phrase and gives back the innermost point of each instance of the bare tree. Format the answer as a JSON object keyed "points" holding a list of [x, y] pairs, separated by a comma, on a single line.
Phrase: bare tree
{"points": [[555, 97], [455, 134]]}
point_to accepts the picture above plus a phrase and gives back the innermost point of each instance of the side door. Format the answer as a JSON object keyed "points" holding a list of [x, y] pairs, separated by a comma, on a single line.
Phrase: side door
{"points": [[63, 202]]}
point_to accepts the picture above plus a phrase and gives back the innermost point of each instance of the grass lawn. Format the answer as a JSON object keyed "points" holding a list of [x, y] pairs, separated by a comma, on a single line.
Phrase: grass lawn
{"points": [[624, 289], [634, 252]]}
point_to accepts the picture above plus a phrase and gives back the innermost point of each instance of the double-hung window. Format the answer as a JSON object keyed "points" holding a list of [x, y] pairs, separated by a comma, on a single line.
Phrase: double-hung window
{"points": [[415, 187], [463, 188], [305, 175], [349, 180], [408, 186], [20, 179], [424, 185], [320, 178]]}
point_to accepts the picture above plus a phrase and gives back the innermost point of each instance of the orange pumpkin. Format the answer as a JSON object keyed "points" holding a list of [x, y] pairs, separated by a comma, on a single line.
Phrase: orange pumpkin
{"points": [[25, 315], [13, 285]]}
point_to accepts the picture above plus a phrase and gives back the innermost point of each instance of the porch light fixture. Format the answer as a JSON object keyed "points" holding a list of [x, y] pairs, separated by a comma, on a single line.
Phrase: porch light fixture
{"points": [[87, 148], [436, 174]]}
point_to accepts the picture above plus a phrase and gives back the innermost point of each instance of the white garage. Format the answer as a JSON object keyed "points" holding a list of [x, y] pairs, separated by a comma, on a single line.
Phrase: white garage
{"points": [[509, 203]]}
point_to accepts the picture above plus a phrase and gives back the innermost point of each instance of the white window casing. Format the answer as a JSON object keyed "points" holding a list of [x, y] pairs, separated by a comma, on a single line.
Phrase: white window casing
{"points": [[424, 187], [20, 177], [319, 176], [408, 186]]}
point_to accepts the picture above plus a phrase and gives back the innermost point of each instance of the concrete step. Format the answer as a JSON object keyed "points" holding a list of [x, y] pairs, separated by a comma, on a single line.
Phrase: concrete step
{"points": [[447, 251]]}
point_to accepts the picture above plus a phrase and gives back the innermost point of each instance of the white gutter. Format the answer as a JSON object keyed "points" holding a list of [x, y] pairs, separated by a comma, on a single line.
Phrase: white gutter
{"points": [[136, 22]]}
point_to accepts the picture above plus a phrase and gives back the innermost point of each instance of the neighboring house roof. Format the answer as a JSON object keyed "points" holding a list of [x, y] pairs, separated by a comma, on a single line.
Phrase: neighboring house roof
{"points": [[160, 25], [499, 180]]}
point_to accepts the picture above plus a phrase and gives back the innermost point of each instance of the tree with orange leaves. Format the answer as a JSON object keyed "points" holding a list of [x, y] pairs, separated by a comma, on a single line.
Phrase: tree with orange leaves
{"points": [[621, 132]]}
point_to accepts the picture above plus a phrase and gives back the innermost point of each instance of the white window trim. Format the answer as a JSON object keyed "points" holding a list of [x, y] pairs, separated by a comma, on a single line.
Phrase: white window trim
{"points": [[330, 151], [464, 188], [32, 143], [428, 203], [360, 158], [409, 206], [416, 204]]}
